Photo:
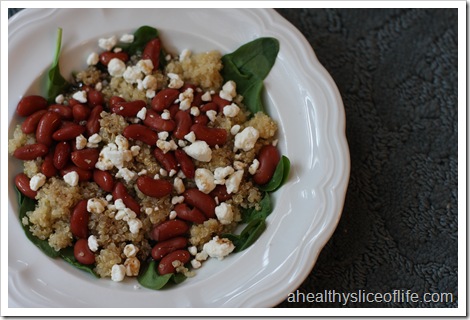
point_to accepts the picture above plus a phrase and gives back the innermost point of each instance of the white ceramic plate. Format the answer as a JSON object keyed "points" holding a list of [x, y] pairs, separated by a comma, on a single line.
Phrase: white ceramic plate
{"points": [[301, 96]]}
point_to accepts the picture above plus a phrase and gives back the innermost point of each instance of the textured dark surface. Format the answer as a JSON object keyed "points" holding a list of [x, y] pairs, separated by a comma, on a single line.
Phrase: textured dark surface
{"points": [[396, 70]]}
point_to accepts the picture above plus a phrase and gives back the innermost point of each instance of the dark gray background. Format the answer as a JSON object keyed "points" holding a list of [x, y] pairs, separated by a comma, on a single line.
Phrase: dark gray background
{"points": [[396, 70]]}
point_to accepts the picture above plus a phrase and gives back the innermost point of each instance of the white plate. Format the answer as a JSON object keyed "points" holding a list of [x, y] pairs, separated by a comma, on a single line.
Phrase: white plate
{"points": [[301, 96]]}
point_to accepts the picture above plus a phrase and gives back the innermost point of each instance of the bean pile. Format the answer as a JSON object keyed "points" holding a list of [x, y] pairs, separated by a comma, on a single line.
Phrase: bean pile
{"points": [[209, 154]]}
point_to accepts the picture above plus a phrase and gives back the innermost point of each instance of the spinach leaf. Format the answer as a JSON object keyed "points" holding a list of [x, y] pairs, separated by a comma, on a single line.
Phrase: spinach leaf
{"points": [[249, 234], [27, 204], [56, 84], [248, 66], [263, 213], [68, 256], [149, 277], [279, 177], [141, 36]]}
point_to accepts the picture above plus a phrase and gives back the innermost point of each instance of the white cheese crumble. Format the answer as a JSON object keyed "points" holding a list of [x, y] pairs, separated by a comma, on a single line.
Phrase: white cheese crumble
{"points": [[218, 247], [130, 250], [96, 205], [175, 81], [126, 174], [186, 98], [107, 44], [92, 243], [211, 114], [145, 66], [178, 185], [37, 181], [204, 180], [185, 54], [235, 129], [118, 272], [246, 139], [134, 225], [231, 110], [254, 166], [142, 113], [80, 96], [60, 99], [92, 59], [224, 213], [233, 182], [132, 74], [206, 96], [71, 178], [191, 137], [149, 82], [199, 150], [116, 67], [127, 38], [221, 173]]}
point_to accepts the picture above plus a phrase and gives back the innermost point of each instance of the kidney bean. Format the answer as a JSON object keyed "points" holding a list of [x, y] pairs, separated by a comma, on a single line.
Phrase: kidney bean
{"points": [[186, 163], [167, 160], [31, 151], [187, 86], [197, 99], [94, 98], [173, 109], [188, 214], [30, 104], [83, 175], [220, 191], [141, 133], [104, 179], [82, 252], [65, 112], [169, 229], [47, 125], [30, 124], [93, 122], [68, 132], [107, 56], [85, 158], [166, 264], [152, 52], [73, 102], [200, 200], [210, 106], [201, 119], [47, 167], [61, 155], [120, 192], [212, 136], [80, 112], [115, 99], [128, 109], [154, 121], [183, 123], [268, 158], [22, 183], [163, 248], [221, 103], [79, 220], [164, 99], [156, 188]]}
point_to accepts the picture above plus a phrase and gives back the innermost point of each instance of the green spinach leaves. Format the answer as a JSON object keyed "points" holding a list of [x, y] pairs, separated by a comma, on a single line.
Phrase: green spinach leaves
{"points": [[56, 84], [248, 66], [149, 277]]}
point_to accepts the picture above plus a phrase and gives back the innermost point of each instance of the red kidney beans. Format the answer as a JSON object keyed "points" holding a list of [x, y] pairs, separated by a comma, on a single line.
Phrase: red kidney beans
{"points": [[104, 179], [61, 154], [79, 220], [268, 158], [154, 121], [47, 167], [83, 175], [200, 200], [30, 104], [85, 158], [169, 229], [210, 106], [68, 132], [186, 163], [65, 112], [221, 103], [212, 136], [120, 192], [31, 151], [188, 214], [93, 122], [115, 99], [163, 248], [183, 124], [201, 119], [156, 188], [80, 112], [47, 125], [152, 52], [166, 264], [220, 191], [107, 56], [141, 133], [82, 252], [164, 99], [167, 160], [22, 183], [128, 109], [94, 98], [30, 124]]}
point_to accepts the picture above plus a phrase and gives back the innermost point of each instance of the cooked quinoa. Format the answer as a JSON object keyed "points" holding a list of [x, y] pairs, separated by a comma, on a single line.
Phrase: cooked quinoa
{"points": [[50, 220]]}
